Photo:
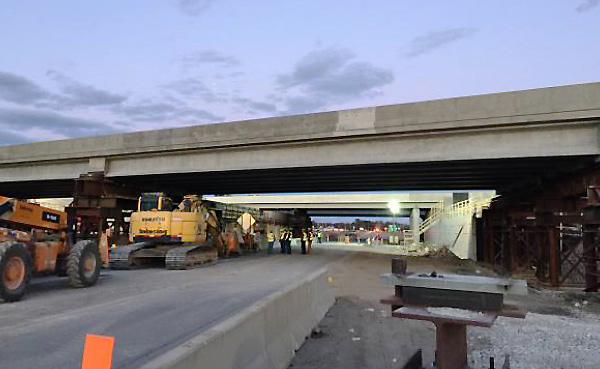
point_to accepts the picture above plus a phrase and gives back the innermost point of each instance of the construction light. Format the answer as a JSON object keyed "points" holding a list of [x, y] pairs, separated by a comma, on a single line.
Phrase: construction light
{"points": [[394, 206]]}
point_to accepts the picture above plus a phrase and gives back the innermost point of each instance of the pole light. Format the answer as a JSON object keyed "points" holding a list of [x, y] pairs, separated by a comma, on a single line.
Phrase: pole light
{"points": [[394, 207]]}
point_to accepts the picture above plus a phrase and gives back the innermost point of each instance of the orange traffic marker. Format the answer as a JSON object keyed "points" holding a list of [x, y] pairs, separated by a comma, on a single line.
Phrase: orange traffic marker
{"points": [[97, 353]]}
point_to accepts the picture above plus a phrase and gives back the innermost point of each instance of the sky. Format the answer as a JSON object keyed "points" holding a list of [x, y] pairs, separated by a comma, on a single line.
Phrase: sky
{"points": [[84, 68]]}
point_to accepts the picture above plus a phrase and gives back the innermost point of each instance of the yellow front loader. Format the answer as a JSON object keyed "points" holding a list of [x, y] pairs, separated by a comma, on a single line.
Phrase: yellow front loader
{"points": [[182, 238], [35, 240]]}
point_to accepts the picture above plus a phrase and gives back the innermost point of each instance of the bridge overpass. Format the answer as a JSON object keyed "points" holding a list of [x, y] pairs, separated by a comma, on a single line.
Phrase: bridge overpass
{"points": [[496, 141], [346, 204]]}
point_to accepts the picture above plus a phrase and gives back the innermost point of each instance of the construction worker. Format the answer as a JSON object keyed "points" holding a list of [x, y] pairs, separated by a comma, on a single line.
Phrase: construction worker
{"points": [[304, 241], [282, 236], [320, 235], [309, 240], [288, 241], [271, 241]]}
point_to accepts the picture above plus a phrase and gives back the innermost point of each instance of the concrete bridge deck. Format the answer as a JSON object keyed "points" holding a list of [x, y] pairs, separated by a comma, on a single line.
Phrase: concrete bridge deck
{"points": [[486, 141]]}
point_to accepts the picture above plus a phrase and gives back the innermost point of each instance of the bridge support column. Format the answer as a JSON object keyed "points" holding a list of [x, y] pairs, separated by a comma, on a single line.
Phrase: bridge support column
{"points": [[415, 221], [553, 228], [97, 200], [591, 247]]}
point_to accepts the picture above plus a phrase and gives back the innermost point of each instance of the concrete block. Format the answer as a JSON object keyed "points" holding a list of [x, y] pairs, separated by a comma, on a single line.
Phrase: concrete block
{"points": [[264, 336], [449, 298], [97, 165], [456, 282], [399, 266]]}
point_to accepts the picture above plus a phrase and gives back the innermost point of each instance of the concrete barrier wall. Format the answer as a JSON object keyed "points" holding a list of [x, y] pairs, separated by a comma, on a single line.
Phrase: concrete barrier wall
{"points": [[455, 233], [263, 336]]}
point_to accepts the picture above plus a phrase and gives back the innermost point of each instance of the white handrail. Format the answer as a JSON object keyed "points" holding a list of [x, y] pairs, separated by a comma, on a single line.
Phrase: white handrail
{"points": [[469, 206]]}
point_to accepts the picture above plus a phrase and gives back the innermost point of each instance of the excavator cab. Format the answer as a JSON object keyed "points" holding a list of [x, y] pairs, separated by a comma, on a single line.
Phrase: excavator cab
{"points": [[153, 201]]}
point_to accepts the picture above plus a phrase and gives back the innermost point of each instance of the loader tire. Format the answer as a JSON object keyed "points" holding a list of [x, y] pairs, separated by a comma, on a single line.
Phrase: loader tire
{"points": [[15, 270], [83, 264]]}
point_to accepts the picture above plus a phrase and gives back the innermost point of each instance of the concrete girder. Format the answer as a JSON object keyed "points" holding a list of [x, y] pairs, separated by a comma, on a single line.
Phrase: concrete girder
{"points": [[560, 121]]}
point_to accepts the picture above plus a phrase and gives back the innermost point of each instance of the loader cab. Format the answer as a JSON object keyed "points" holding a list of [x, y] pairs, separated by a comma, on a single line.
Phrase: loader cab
{"points": [[155, 201]]}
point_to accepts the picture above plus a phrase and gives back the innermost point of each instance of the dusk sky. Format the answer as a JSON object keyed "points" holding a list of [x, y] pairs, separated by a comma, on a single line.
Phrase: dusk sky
{"points": [[85, 68]]}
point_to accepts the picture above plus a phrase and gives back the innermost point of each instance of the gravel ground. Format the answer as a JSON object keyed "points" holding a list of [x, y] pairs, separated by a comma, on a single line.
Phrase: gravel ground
{"points": [[561, 331], [540, 341], [356, 335]]}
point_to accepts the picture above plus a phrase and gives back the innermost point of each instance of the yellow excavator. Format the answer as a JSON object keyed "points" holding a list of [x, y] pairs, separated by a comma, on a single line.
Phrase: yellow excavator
{"points": [[184, 237]]}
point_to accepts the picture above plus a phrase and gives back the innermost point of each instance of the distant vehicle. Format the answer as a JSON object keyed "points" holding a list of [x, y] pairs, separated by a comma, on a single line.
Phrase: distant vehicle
{"points": [[34, 241]]}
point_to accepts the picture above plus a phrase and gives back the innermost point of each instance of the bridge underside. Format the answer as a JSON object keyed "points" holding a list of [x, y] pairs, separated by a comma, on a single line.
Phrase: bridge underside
{"points": [[503, 175], [547, 219], [404, 213]]}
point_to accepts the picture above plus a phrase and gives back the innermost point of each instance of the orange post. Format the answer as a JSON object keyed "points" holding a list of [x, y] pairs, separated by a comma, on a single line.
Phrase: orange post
{"points": [[104, 246], [97, 353]]}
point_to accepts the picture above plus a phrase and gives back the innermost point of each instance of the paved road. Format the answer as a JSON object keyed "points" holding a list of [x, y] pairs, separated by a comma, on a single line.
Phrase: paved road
{"points": [[148, 311]]}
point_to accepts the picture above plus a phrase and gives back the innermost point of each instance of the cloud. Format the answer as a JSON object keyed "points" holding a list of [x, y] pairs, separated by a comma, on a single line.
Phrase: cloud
{"points": [[80, 94], [315, 65], [33, 122], [587, 5], [11, 138], [194, 7], [256, 105], [433, 40], [193, 88], [328, 76], [20, 90], [45, 123], [227, 76], [353, 80], [305, 103], [151, 111], [209, 57]]}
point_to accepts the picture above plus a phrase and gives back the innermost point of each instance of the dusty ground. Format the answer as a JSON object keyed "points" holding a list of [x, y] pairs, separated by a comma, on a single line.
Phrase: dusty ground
{"points": [[562, 329]]}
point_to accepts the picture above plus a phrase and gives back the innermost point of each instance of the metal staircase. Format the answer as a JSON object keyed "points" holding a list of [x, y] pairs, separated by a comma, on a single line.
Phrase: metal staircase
{"points": [[461, 208]]}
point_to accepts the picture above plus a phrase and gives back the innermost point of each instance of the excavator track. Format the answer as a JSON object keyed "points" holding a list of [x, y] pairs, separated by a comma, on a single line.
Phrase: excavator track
{"points": [[191, 256], [122, 256]]}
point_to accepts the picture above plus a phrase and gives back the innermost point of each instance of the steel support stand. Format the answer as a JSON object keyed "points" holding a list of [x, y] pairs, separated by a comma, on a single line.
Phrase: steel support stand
{"points": [[451, 345], [554, 254]]}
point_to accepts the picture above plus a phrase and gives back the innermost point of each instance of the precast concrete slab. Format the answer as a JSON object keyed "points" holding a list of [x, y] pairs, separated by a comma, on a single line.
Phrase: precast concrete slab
{"points": [[472, 283]]}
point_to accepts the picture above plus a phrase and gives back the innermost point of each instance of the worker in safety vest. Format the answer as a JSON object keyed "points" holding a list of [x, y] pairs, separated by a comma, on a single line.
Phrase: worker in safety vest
{"points": [[288, 241], [271, 241], [309, 240], [320, 236], [304, 241], [282, 236]]}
